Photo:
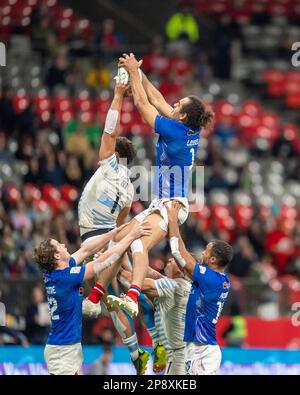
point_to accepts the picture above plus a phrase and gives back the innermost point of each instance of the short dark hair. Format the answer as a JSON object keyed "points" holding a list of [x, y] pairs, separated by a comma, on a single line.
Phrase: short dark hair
{"points": [[197, 116], [44, 255], [222, 251], [125, 149]]}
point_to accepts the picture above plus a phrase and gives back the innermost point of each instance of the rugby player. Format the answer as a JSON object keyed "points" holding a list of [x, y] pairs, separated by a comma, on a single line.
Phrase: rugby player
{"points": [[178, 128], [105, 202], [64, 287], [170, 295], [207, 296]]}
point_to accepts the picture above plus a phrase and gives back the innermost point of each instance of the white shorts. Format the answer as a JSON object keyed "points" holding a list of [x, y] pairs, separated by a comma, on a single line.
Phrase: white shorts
{"points": [[158, 205], [64, 360], [176, 362], [202, 359]]}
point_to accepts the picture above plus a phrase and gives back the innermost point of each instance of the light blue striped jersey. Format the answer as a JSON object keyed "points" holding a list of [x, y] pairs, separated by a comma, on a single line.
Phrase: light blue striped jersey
{"points": [[107, 192], [171, 306]]}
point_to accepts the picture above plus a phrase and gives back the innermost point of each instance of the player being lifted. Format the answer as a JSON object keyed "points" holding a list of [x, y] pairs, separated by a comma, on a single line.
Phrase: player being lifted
{"points": [[178, 128], [208, 294], [105, 202]]}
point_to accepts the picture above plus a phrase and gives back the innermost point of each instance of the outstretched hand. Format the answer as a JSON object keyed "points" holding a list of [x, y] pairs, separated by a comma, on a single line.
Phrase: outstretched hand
{"points": [[173, 207], [129, 62], [121, 89]]}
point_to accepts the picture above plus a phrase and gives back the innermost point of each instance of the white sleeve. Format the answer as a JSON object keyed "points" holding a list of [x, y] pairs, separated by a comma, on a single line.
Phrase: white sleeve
{"points": [[130, 196], [109, 166], [165, 287]]}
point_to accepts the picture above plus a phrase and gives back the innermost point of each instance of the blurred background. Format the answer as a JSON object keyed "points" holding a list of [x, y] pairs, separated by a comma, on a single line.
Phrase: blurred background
{"points": [[55, 91]]}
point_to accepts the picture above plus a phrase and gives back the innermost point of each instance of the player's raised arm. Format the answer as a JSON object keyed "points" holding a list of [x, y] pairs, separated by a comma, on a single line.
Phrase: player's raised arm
{"points": [[112, 255], [112, 123], [90, 247], [149, 286], [182, 257], [147, 110], [156, 98]]}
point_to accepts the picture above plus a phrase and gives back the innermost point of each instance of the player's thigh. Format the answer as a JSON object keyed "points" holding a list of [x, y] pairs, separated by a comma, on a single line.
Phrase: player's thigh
{"points": [[157, 233]]}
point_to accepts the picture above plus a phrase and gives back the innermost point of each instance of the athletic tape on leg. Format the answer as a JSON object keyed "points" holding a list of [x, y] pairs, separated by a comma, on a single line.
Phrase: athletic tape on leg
{"points": [[100, 266], [137, 246]]}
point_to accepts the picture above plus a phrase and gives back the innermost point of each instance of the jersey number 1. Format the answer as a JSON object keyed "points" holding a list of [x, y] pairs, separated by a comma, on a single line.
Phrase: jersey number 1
{"points": [[192, 151], [220, 307]]}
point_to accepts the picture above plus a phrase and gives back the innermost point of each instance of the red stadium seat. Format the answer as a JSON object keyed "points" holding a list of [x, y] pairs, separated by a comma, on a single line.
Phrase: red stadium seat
{"points": [[13, 194], [69, 193], [32, 191], [252, 108], [20, 102]]}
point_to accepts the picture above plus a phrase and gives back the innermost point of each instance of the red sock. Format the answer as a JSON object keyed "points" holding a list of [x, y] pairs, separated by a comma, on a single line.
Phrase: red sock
{"points": [[96, 293], [134, 292]]}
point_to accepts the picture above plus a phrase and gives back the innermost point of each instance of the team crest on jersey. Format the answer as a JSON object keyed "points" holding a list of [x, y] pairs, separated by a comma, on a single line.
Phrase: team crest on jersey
{"points": [[202, 269], [225, 284], [75, 270], [80, 291]]}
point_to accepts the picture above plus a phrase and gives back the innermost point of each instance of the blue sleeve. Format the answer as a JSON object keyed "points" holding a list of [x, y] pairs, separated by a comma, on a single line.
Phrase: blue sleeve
{"points": [[165, 127], [206, 278], [72, 277], [72, 262]]}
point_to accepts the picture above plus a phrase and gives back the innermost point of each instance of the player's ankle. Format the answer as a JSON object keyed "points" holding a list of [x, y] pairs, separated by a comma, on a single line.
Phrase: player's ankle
{"points": [[96, 294], [134, 292]]}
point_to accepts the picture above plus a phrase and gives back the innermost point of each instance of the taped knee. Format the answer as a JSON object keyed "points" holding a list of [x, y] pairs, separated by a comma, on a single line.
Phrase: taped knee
{"points": [[137, 246]]}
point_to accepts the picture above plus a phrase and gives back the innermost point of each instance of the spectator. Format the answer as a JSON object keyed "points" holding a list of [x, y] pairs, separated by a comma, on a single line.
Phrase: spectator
{"points": [[244, 258], [98, 76], [51, 170], [7, 111], [78, 46], [225, 131], [6, 155], [37, 318], [237, 331], [78, 144], [183, 25], [281, 245], [57, 73]]}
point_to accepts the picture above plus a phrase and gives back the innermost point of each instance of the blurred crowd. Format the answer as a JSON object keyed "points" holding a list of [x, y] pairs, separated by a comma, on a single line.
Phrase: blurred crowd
{"points": [[46, 159]]}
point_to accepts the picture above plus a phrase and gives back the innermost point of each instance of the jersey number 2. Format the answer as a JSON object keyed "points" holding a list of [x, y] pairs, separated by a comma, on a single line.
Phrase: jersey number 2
{"points": [[53, 307]]}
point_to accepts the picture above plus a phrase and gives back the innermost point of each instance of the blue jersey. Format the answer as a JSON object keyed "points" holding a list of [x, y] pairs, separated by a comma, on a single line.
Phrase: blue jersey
{"points": [[207, 297], [176, 151], [65, 294]]}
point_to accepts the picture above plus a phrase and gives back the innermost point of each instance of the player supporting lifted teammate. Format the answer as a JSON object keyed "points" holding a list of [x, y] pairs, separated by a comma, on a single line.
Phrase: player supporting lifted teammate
{"points": [[64, 281], [208, 294], [170, 295], [179, 131]]}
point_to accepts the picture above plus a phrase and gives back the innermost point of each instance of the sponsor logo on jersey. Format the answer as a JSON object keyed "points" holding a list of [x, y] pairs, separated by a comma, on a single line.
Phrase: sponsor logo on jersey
{"points": [[75, 270], [192, 142]]}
